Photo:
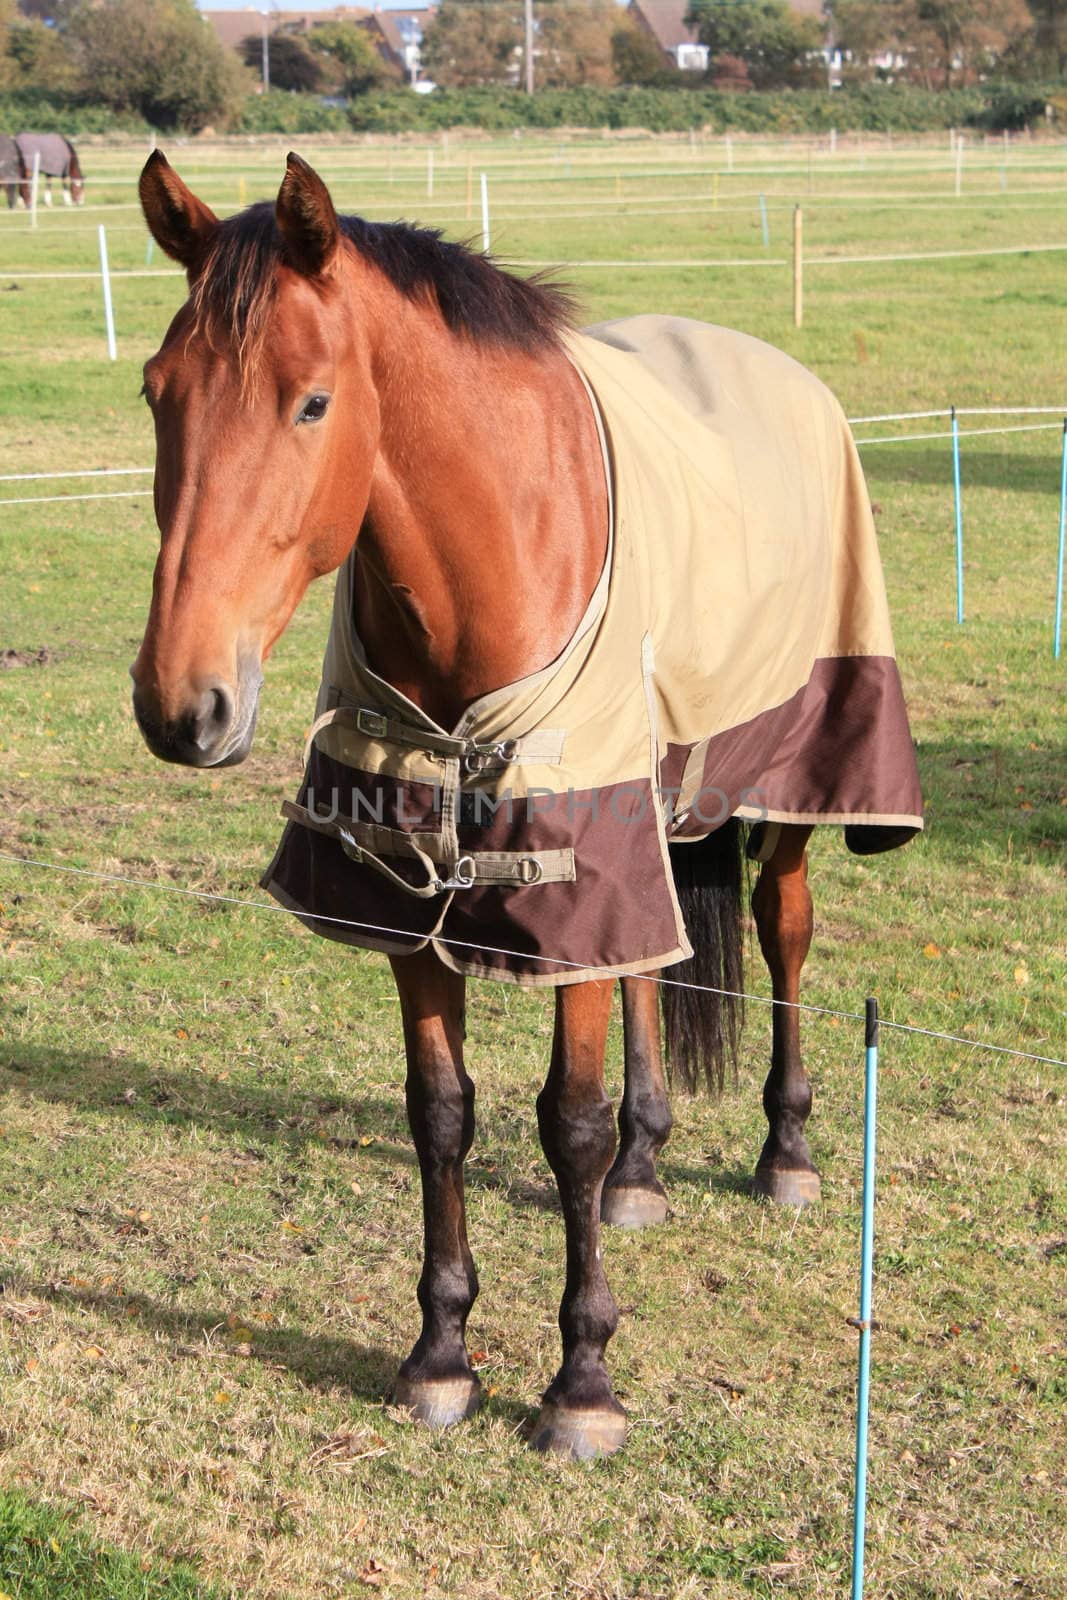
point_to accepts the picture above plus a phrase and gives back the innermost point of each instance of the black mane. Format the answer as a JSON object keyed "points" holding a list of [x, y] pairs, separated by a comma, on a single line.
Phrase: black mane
{"points": [[475, 296], [477, 299]]}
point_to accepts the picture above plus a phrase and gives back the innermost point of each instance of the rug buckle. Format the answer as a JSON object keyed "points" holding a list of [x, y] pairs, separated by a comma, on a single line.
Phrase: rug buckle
{"points": [[372, 723]]}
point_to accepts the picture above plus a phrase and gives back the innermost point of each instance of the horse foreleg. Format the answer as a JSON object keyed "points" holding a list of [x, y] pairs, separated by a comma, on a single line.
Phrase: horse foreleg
{"points": [[436, 1382], [633, 1196], [781, 902], [580, 1415]]}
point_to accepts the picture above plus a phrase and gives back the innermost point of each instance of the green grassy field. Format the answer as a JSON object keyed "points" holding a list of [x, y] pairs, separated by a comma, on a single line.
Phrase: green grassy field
{"points": [[209, 1218]]}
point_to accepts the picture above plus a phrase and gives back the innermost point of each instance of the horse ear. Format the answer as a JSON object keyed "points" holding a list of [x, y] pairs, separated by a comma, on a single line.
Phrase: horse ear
{"points": [[306, 218], [180, 224]]}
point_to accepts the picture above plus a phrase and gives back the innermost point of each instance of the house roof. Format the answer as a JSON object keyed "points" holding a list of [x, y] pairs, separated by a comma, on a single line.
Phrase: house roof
{"points": [[233, 26], [392, 25], [665, 20]]}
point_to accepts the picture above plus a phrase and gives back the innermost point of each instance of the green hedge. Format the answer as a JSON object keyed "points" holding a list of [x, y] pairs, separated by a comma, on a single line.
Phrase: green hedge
{"points": [[870, 108], [279, 112], [67, 114]]}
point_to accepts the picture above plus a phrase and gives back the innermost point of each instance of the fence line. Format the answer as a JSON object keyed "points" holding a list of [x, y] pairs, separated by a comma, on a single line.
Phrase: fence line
{"points": [[68, 499], [633, 207], [570, 266], [936, 255], [901, 438], [959, 433], [543, 210], [80, 472], [488, 949], [964, 411], [122, 272], [675, 263], [550, 168]]}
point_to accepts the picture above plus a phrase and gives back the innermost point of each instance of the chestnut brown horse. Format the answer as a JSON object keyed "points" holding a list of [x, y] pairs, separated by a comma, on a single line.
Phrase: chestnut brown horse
{"points": [[328, 381]]}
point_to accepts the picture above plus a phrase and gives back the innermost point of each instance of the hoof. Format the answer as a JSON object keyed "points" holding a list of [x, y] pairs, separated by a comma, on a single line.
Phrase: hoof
{"points": [[439, 1402], [796, 1186], [579, 1434], [632, 1208]]}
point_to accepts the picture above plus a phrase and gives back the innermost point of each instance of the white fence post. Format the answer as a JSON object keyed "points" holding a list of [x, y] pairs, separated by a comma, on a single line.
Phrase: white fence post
{"points": [[109, 315], [35, 184]]}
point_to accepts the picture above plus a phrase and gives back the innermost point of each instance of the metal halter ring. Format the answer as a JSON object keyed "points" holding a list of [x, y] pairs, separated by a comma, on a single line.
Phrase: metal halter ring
{"points": [[530, 870]]}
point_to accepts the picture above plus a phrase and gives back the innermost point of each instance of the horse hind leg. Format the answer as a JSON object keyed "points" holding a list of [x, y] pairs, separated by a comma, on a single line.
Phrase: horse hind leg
{"points": [[633, 1196], [781, 903], [580, 1415], [436, 1382]]}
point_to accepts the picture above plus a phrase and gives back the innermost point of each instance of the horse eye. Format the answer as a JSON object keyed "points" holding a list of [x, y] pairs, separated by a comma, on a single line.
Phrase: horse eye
{"points": [[314, 409]]}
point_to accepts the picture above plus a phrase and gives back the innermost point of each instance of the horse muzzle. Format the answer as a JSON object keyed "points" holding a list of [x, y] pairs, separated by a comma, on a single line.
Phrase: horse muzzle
{"points": [[215, 729]]}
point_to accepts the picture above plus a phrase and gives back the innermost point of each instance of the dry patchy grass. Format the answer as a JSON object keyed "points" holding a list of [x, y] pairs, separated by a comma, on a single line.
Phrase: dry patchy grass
{"points": [[209, 1221]]}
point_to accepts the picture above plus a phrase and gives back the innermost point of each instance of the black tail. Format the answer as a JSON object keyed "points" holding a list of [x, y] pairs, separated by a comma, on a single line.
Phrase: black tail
{"points": [[701, 1029]]}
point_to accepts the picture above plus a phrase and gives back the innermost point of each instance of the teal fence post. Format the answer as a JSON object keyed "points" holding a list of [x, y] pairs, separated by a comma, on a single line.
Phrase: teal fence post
{"points": [[959, 514], [1057, 627], [870, 1109]]}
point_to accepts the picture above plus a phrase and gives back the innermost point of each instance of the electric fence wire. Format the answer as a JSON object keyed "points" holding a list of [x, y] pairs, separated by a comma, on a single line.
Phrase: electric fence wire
{"points": [[487, 949]]}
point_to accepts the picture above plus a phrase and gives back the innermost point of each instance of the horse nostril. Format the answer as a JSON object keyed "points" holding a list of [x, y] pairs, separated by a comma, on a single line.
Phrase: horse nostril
{"points": [[213, 716]]}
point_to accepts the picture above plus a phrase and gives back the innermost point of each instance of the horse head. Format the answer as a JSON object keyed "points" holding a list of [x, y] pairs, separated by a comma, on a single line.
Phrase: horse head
{"points": [[266, 425]]}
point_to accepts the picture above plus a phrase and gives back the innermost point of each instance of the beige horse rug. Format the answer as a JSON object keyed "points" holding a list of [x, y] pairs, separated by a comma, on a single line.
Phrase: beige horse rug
{"points": [[736, 659]]}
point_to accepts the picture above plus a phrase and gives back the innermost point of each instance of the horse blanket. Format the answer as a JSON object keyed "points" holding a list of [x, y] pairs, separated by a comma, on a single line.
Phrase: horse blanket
{"points": [[735, 659], [55, 153]]}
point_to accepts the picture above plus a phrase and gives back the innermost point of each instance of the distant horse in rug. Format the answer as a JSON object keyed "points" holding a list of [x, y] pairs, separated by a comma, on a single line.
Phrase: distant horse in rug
{"points": [[57, 158], [605, 602], [10, 168]]}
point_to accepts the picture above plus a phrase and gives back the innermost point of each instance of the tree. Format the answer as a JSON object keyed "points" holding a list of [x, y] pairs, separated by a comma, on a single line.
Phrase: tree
{"points": [[291, 63], [8, 13], [1050, 35], [863, 30], [958, 41], [935, 42], [730, 75], [778, 46], [573, 42], [40, 56], [638, 59], [473, 42], [349, 55], [157, 57]]}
